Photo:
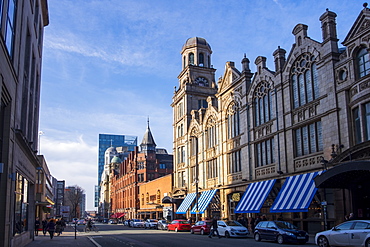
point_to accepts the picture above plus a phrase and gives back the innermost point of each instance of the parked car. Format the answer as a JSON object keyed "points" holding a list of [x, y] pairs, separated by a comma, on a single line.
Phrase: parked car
{"points": [[81, 222], [162, 225], [105, 221], [231, 228], [179, 225], [113, 221], [280, 231], [150, 223], [349, 233], [203, 227], [136, 223]]}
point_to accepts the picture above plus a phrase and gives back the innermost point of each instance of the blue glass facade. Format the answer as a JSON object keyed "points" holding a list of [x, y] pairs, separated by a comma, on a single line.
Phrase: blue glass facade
{"points": [[108, 140]]}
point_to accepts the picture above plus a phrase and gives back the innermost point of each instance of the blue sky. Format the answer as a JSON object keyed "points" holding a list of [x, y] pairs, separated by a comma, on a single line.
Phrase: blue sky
{"points": [[109, 65]]}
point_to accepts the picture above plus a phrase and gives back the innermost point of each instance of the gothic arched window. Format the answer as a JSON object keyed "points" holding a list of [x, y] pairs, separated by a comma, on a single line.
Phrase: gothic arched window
{"points": [[305, 85], [233, 121], [263, 103], [363, 63]]}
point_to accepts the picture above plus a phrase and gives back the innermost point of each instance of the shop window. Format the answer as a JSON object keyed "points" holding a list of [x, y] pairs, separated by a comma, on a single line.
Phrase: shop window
{"points": [[21, 204]]}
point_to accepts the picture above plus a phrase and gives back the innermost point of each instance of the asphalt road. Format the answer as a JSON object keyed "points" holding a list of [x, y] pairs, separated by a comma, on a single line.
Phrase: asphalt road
{"points": [[119, 235]]}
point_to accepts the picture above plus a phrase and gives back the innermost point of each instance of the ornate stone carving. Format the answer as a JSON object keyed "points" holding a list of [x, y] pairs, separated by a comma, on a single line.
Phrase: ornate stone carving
{"points": [[364, 85], [262, 172], [306, 112]]}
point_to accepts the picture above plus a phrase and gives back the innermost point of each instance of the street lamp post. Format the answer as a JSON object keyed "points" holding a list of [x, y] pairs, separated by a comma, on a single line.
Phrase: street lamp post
{"points": [[196, 181]]}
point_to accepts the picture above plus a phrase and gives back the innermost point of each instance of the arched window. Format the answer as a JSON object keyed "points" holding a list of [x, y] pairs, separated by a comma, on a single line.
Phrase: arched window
{"points": [[209, 61], [211, 134], [191, 58], [142, 199], [363, 62], [304, 77], [263, 111], [184, 63], [233, 121], [201, 60], [147, 197]]}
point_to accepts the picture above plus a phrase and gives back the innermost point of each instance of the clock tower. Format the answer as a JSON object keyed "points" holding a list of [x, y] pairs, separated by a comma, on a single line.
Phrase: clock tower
{"points": [[196, 84]]}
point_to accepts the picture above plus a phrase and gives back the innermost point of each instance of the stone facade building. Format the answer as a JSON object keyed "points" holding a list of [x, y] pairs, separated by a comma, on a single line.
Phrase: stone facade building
{"points": [[291, 142], [22, 25]]}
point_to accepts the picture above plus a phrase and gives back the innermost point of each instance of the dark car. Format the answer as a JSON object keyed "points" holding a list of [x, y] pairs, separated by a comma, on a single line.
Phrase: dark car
{"points": [[203, 227], [280, 231]]}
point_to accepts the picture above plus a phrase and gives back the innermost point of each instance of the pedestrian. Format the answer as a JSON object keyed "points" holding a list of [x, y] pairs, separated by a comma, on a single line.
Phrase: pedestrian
{"points": [[50, 227], [264, 218], [251, 224], [214, 228], [258, 219], [351, 216], [63, 223], [37, 226], [44, 223], [58, 227]]}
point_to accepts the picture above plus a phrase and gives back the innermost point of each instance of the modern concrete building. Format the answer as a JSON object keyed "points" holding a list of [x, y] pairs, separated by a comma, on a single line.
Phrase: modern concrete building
{"points": [[22, 25], [290, 142]]}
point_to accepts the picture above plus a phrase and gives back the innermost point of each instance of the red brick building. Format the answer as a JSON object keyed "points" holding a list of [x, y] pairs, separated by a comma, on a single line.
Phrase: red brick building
{"points": [[140, 167]]}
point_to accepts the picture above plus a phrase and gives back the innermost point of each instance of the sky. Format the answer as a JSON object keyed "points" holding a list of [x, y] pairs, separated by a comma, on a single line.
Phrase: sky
{"points": [[109, 65]]}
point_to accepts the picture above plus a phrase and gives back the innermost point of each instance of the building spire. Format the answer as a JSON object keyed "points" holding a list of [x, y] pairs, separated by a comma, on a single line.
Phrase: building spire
{"points": [[148, 144]]}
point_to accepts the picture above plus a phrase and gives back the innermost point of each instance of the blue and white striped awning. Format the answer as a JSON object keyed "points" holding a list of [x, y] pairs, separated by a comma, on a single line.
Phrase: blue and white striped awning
{"points": [[186, 203], [203, 201], [254, 197], [296, 194]]}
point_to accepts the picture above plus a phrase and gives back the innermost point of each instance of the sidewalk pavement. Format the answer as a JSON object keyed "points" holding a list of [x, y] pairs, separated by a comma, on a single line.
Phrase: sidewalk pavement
{"points": [[67, 238]]}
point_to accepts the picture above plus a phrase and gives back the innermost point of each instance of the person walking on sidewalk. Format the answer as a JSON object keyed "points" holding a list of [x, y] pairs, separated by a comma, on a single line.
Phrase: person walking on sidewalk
{"points": [[44, 224], [214, 228], [50, 227], [37, 226]]}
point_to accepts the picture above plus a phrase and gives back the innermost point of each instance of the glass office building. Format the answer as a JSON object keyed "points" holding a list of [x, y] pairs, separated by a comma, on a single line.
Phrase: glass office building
{"points": [[108, 140]]}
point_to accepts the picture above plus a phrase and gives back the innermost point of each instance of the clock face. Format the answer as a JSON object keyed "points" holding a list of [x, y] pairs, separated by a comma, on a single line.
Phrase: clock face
{"points": [[201, 81]]}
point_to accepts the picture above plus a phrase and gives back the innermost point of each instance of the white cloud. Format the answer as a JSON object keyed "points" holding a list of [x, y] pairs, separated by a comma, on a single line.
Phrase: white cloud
{"points": [[73, 161]]}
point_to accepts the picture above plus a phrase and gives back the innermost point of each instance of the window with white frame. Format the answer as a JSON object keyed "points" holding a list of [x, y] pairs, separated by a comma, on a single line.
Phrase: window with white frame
{"points": [[363, 63], [361, 120], [308, 139], [304, 78]]}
